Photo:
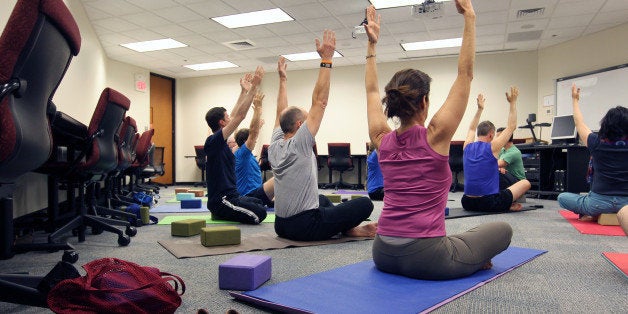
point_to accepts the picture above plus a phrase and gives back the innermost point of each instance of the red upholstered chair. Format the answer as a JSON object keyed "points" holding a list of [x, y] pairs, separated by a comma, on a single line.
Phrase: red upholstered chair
{"points": [[142, 158], [90, 161], [340, 160], [36, 47]]}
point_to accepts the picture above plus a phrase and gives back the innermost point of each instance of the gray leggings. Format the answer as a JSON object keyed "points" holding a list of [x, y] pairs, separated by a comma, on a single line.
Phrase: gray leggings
{"points": [[443, 257]]}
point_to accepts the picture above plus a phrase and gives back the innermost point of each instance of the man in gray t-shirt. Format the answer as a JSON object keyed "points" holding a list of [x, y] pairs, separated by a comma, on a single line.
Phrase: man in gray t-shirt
{"points": [[302, 214]]}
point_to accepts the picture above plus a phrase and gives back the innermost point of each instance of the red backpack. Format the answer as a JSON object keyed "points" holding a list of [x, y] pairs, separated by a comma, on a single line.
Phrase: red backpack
{"points": [[115, 285]]}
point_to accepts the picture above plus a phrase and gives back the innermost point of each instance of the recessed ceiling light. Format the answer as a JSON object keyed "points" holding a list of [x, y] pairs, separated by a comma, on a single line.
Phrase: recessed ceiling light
{"points": [[152, 45], [253, 18], [211, 66], [432, 44], [383, 4], [308, 56]]}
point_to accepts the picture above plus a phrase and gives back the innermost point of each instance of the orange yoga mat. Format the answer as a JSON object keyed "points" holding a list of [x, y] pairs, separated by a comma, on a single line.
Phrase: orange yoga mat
{"points": [[591, 227]]}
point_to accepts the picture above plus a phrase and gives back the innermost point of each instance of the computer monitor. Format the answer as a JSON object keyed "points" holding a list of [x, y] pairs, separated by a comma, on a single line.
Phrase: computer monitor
{"points": [[563, 130]]}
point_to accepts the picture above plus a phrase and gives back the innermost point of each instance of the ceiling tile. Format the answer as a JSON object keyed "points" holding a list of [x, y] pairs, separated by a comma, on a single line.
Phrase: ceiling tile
{"points": [[179, 14], [116, 24], [172, 30], [145, 19], [114, 7], [153, 4], [210, 9], [306, 11]]}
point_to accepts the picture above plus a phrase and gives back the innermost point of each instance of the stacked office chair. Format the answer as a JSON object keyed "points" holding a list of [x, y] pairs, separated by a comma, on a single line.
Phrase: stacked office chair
{"points": [[142, 159], [201, 161], [455, 164], [36, 48], [264, 164], [340, 160]]}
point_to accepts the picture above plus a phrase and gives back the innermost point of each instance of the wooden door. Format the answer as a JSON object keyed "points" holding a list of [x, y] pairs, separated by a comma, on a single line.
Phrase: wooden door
{"points": [[162, 120]]}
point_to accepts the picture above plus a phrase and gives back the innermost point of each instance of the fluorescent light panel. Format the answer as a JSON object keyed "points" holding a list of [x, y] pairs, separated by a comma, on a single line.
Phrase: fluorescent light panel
{"points": [[308, 56], [432, 44], [211, 66], [152, 45], [383, 4], [253, 18]]}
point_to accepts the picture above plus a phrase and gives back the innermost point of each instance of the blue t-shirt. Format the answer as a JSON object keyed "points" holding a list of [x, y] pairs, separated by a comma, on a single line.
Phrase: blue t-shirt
{"points": [[220, 169], [248, 174], [374, 177], [610, 166], [481, 173]]}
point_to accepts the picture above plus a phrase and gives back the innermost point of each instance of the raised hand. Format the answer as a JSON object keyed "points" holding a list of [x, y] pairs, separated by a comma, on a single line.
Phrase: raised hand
{"points": [[245, 82], [327, 48], [575, 92], [481, 101], [282, 66], [464, 7], [259, 75], [514, 93], [257, 100], [372, 27]]}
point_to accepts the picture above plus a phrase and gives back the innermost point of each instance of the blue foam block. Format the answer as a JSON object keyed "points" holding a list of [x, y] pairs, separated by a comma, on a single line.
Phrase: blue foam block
{"points": [[194, 203], [361, 288]]}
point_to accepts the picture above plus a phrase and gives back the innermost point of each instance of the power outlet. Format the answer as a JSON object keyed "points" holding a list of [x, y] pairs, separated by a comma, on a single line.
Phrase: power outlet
{"points": [[548, 111]]}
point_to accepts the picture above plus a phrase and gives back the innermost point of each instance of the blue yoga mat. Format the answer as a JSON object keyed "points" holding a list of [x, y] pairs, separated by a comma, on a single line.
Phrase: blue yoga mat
{"points": [[361, 288], [356, 192], [176, 208]]}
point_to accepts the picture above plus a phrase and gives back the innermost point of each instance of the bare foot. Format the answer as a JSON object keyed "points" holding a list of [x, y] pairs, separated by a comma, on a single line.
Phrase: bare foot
{"points": [[488, 265], [588, 218], [515, 207], [368, 230]]}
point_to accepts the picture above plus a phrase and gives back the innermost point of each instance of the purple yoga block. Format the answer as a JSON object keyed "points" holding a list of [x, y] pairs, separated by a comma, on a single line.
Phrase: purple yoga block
{"points": [[194, 203], [244, 272]]}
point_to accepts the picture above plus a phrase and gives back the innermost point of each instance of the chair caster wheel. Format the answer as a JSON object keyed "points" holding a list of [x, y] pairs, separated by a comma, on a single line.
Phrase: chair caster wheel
{"points": [[70, 257], [130, 231], [138, 223], [124, 240]]}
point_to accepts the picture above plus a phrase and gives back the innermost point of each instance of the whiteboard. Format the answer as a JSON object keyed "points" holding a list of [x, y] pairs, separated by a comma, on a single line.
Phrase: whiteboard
{"points": [[599, 91]]}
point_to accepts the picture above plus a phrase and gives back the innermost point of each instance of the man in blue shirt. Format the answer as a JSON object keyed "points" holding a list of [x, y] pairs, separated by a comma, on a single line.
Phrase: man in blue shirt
{"points": [[481, 171], [248, 173]]}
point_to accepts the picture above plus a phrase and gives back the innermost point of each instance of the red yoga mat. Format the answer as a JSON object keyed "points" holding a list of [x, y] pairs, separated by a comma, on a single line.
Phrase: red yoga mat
{"points": [[619, 260], [591, 227]]}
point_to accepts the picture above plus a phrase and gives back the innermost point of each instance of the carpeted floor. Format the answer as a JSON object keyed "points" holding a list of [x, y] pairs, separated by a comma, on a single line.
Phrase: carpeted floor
{"points": [[572, 277]]}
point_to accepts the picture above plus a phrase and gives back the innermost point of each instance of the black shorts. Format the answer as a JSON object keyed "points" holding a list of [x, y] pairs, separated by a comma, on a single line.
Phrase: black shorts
{"points": [[499, 202], [261, 195]]}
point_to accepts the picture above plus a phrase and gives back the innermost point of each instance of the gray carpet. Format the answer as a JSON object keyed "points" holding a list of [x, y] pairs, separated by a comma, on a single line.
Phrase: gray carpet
{"points": [[572, 277]]}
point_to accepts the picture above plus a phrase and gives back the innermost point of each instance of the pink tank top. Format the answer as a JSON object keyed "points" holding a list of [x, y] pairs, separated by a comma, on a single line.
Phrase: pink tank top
{"points": [[416, 186]]}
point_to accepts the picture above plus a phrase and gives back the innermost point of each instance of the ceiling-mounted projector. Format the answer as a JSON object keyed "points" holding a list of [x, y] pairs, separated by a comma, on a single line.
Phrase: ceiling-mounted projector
{"points": [[428, 9]]}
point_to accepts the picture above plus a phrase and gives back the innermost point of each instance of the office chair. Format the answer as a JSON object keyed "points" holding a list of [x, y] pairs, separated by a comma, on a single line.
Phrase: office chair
{"points": [[340, 160], [90, 162], [201, 160], [155, 168], [142, 155], [36, 48], [455, 163], [264, 164]]}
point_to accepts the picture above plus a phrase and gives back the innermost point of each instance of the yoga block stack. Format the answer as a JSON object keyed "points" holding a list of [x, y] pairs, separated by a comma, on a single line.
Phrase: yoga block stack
{"points": [[180, 190], [185, 196], [244, 272], [187, 227], [334, 198], [609, 219], [354, 196], [193, 203], [223, 235], [197, 193]]}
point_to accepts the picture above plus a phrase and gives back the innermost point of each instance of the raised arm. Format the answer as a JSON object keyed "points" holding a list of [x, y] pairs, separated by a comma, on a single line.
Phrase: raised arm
{"points": [[474, 122], [320, 95], [249, 85], [578, 119], [377, 122], [282, 96], [500, 141], [256, 122], [446, 120]]}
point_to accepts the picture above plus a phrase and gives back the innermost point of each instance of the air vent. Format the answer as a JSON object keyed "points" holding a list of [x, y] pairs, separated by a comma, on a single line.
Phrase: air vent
{"points": [[524, 36], [526, 13], [243, 44]]}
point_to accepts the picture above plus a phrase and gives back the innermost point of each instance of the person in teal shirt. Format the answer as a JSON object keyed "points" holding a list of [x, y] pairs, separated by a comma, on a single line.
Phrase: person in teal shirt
{"points": [[510, 164]]}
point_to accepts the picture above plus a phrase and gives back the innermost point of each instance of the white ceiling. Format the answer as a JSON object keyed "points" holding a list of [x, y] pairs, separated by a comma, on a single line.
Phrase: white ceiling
{"points": [[188, 21]]}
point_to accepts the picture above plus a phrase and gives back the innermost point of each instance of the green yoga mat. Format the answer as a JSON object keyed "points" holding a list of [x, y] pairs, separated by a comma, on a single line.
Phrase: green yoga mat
{"points": [[270, 217]]}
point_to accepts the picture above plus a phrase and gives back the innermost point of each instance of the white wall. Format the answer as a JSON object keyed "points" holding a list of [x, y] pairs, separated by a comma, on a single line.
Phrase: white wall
{"points": [[345, 117], [593, 52]]}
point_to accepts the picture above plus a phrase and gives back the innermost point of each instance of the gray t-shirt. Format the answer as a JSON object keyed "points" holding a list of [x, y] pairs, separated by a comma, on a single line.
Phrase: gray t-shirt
{"points": [[295, 172]]}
